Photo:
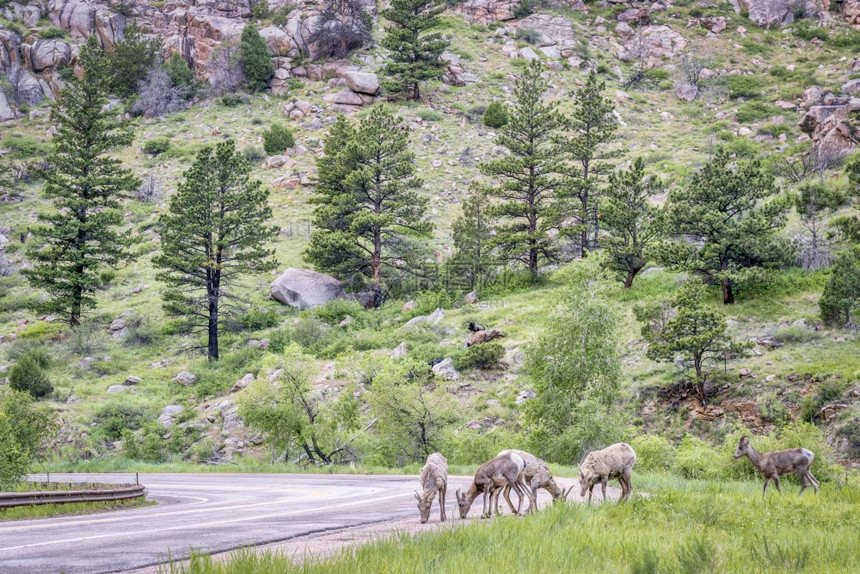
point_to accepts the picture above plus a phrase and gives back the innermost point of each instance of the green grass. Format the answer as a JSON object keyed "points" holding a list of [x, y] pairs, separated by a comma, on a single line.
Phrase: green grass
{"points": [[687, 526]]}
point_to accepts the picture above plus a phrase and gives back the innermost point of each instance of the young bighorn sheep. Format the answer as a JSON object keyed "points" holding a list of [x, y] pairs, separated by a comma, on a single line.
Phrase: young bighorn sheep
{"points": [[489, 479], [434, 478], [536, 475], [601, 466], [779, 462]]}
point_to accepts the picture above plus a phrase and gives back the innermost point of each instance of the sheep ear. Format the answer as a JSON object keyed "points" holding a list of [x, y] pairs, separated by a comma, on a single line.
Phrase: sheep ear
{"points": [[457, 492], [417, 496]]}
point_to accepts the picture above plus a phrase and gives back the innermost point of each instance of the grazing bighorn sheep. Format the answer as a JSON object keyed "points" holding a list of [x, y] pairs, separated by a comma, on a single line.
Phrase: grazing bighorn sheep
{"points": [[773, 464], [536, 475], [601, 466], [434, 478], [489, 479]]}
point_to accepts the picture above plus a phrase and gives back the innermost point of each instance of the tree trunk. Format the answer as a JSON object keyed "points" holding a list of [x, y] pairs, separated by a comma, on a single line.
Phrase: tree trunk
{"points": [[75, 312], [728, 295], [213, 295]]}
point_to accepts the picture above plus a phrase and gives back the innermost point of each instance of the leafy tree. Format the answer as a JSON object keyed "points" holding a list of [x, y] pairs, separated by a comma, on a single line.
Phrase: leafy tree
{"points": [[255, 59], [594, 127], [527, 182], [412, 420], [414, 53], [688, 327], [215, 231], [495, 116], [842, 292], [342, 26], [27, 376], [132, 58], [80, 238], [472, 237], [574, 361], [632, 220], [814, 203], [23, 427], [277, 139], [293, 414], [366, 210], [14, 463], [724, 207]]}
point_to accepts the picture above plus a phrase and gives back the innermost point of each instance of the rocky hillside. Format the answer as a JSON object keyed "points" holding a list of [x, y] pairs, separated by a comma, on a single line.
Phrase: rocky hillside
{"points": [[777, 79]]}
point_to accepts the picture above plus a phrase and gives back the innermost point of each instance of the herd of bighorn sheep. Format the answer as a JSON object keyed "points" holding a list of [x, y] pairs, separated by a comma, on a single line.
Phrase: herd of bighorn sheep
{"points": [[525, 473]]}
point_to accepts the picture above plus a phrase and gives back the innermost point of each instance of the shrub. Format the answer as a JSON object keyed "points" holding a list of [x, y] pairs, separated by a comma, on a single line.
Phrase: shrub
{"points": [[827, 392], [233, 100], [741, 86], [429, 115], [277, 139], [336, 311], [118, 417], [428, 301], [792, 334], [27, 376], [52, 33], [529, 35], [653, 452], [257, 319], [260, 9], [525, 8], [155, 146], [483, 356], [308, 332], [698, 459], [178, 70], [496, 115], [750, 112], [254, 153], [771, 408]]}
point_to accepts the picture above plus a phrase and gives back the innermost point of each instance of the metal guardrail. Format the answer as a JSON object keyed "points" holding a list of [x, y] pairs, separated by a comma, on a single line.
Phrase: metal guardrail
{"points": [[13, 499]]}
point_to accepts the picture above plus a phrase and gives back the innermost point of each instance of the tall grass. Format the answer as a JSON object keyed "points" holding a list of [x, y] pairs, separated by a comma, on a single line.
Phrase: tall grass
{"points": [[683, 526]]}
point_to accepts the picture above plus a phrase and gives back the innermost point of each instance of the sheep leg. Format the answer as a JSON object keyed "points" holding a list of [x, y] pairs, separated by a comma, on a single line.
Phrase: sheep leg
{"points": [[494, 500], [776, 483], [803, 481], [603, 482], [484, 513], [812, 478], [520, 494], [766, 481], [507, 492], [627, 484], [442, 493]]}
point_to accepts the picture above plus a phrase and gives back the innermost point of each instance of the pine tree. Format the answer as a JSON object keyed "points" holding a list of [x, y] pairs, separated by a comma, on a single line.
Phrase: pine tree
{"points": [[472, 236], [132, 58], [527, 182], [842, 292], [215, 232], [633, 222], [414, 52], [255, 59], [814, 203], [81, 237], [725, 207], [594, 127], [366, 212], [696, 332]]}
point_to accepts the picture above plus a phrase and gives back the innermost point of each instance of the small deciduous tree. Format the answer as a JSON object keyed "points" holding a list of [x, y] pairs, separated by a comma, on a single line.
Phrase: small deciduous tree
{"points": [[632, 220], [366, 210], [688, 327], [574, 362], [729, 211], [294, 414], [526, 180], [215, 230], [81, 237], [27, 376], [341, 27], [842, 292], [256, 61], [414, 50], [594, 127], [23, 427], [472, 237]]}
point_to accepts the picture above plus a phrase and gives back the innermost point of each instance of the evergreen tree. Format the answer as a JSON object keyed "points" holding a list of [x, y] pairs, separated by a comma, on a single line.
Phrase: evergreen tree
{"points": [[255, 59], [366, 211], [842, 291], [132, 58], [180, 73], [214, 232], [632, 220], [814, 203], [724, 206], [472, 236], [527, 182], [696, 332], [594, 126], [81, 237], [414, 52]]}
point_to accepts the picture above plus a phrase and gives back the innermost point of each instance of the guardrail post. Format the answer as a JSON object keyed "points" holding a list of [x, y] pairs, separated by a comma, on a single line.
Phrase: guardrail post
{"points": [[136, 478]]}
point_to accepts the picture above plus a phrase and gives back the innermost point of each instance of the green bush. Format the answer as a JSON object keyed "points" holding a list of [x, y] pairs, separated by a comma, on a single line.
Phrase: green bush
{"points": [[771, 408], [750, 112], [178, 70], [118, 417], [741, 86], [337, 310], [309, 331], [792, 334], [483, 356], [428, 301], [277, 139], [496, 115], [429, 115], [255, 59], [698, 459], [806, 32], [254, 153], [529, 35], [155, 146], [27, 376], [827, 392], [257, 319], [653, 452], [235, 99], [53, 33], [260, 9]]}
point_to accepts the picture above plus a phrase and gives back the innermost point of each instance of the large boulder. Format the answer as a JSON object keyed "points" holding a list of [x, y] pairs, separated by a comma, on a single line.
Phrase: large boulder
{"points": [[76, 17], [279, 43], [6, 112], [769, 13], [851, 11], [488, 11], [362, 82], [554, 30], [305, 288], [44, 54]]}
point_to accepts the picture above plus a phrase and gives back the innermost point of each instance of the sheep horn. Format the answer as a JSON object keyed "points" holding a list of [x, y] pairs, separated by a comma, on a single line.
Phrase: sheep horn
{"points": [[417, 496]]}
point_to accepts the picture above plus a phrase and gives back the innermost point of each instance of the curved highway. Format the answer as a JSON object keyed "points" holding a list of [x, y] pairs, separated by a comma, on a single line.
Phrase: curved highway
{"points": [[212, 513]]}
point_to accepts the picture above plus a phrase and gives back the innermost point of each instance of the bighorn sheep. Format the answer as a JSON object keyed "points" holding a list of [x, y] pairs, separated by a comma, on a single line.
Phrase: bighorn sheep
{"points": [[601, 466], [773, 464], [434, 478], [489, 479], [536, 475]]}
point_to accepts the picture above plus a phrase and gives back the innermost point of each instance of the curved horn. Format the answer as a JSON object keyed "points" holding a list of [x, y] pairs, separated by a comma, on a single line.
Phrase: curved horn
{"points": [[417, 496], [457, 493]]}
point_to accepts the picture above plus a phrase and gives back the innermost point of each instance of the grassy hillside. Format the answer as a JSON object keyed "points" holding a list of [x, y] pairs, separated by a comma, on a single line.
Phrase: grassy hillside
{"points": [[754, 68]]}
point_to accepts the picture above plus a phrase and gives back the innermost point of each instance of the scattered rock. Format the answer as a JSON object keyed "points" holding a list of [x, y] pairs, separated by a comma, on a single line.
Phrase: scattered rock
{"points": [[686, 92], [185, 378], [305, 288], [399, 351], [470, 298], [745, 373], [446, 370], [436, 316], [118, 388], [243, 382], [362, 82], [524, 396], [168, 415], [133, 380]]}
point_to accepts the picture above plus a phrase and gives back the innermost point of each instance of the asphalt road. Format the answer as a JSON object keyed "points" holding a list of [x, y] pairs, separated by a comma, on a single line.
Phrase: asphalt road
{"points": [[214, 513]]}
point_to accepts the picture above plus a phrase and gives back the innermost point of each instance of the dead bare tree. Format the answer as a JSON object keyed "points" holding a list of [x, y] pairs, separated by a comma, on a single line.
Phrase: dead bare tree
{"points": [[158, 96], [150, 189], [342, 26], [227, 71]]}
